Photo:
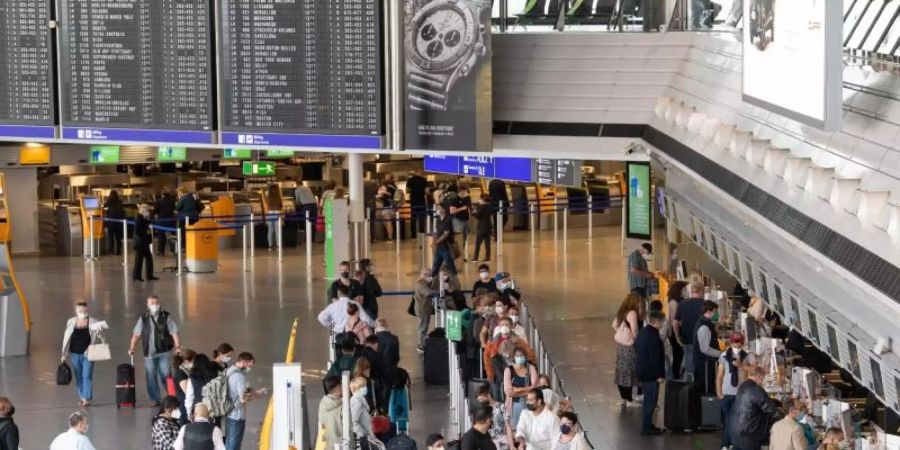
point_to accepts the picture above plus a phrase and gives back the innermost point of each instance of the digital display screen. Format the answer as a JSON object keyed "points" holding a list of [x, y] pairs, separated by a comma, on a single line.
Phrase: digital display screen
{"points": [[279, 153], [442, 164], [26, 69], [91, 203], [477, 166], [137, 70], [779, 301], [514, 169], [792, 59], [237, 153], [104, 154], [854, 359], [639, 209], [295, 72], [832, 343], [510, 169], [877, 383], [795, 310], [813, 327], [171, 154]]}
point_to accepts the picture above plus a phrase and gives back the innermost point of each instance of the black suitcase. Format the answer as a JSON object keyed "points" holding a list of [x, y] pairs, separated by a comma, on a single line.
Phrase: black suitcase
{"points": [[437, 367], [682, 407], [125, 391], [472, 387]]}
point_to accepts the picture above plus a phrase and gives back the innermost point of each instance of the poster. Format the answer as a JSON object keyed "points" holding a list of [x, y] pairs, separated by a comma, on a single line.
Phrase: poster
{"points": [[792, 60], [639, 212], [447, 46]]}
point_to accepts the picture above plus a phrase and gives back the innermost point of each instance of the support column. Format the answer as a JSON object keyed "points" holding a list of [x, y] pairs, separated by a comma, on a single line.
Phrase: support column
{"points": [[357, 212], [22, 201]]}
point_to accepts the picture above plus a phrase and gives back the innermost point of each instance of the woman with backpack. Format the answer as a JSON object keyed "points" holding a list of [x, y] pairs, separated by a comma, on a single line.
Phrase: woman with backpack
{"points": [[202, 372], [626, 327]]}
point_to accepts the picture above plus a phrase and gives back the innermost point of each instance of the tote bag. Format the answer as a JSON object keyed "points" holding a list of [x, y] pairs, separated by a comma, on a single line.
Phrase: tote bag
{"points": [[99, 349]]}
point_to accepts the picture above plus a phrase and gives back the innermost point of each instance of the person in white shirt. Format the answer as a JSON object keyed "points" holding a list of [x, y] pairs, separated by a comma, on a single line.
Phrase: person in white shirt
{"points": [[537, 425], [74, 438], [335, 315], [200, 432]]}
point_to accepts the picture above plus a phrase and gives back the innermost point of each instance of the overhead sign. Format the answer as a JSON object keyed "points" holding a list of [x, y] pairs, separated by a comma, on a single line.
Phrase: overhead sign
{"points": [[544, 170], [104, 154], [258, 168], [237, 153], [638, 210], [567, 172], [448, 85], [279, 153], [526, 170], [34, 154], [171, 154], [477, 166], [793, 60]]}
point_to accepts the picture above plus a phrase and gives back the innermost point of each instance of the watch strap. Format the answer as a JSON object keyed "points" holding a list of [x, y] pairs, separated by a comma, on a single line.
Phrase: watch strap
{"points": [[427, 91]]}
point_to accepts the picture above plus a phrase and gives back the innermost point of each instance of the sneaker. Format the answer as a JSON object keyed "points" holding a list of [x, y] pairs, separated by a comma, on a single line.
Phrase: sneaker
{"points": [[420, 349], [622, 403], [635, 403]]}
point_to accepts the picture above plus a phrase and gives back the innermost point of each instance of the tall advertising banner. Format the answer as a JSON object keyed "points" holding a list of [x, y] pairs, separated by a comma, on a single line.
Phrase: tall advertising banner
{"points": [[448, 86], [639, 204], [793, 61], [337, 235]]}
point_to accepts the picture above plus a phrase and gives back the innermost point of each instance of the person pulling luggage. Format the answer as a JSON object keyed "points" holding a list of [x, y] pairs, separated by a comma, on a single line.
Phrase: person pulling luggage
{"points": [[158, 334]]}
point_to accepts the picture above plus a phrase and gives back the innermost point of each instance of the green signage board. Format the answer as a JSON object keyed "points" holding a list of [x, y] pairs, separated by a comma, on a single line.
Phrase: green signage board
{"points": [[171, 154], [454, 326], [328, 214], [104, 154], [237, 153], [279, 153], [259, 169], [639, 212]]}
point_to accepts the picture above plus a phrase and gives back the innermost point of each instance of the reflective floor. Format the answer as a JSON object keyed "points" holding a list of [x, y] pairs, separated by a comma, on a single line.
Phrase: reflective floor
{"points": [[572, 294]]}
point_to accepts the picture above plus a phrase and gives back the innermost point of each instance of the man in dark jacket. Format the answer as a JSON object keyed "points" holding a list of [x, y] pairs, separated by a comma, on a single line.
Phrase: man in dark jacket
{"points": [[650, 365], [164, 208], [142, 240], [371, 288], [416, 186], [753, 413], [685, 323], [706, 349], [388, 346], [497, 193]]}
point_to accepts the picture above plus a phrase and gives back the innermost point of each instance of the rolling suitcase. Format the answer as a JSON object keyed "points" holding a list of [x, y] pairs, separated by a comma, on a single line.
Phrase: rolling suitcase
{"points": [[710, 409], [682, 406], [437, 366], [125, 391]]}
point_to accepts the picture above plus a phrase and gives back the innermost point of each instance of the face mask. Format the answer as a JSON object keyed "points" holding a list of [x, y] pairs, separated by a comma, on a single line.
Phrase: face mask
{"points": [[801, 417], [504, 330], [188, 365], [498, 309], [225, 359], [176, 414], [520, 360], [844, 445], [565, 428], [345, 275], [153, 309], [736, 349], [715, 317], [484, 275], [530, 406], [647, 257], [247, 369], [81, 316], [362, 391], [502, 286], [515, 319]]}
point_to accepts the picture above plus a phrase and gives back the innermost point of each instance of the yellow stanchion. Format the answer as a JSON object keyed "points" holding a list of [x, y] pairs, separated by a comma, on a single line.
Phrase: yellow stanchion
{"points": [[265, 434]]}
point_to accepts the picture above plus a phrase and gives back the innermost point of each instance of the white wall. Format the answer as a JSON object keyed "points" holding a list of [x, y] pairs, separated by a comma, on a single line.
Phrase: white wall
{"points": [[22, 200]]}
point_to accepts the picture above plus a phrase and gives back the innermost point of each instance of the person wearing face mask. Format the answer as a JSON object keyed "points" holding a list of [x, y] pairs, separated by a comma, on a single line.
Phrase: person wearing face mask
{"points": [[165, 424], [202, 372], [834, 440], [424, 307], [538, 426], [241, 394], [182, 364], [80, 332], [492, 322], [75, 438], [222, 355], [200, 433], [501, 431], [485, 216], [435, 442], [478, 437], [371, 287], [638, 272], [569, 438], [345, 277], [706, 349], [330, 412], [752, 412], [485, 280], [460, 209], [506, 289], [443, 243], [9, 431], [513, 313], [335, 315], [142, 240], [360, 417], [729, 375], [158, 333], [788, 433], [518, 379]]}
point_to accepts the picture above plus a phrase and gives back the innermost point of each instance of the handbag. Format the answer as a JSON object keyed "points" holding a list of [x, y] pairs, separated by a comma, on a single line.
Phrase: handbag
{"points": [[624, 335], [411, 309], [98, 351], [63, 374]]}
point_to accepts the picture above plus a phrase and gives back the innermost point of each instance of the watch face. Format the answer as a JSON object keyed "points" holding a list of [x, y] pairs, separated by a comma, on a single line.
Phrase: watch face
{"points": [[441, 37]]}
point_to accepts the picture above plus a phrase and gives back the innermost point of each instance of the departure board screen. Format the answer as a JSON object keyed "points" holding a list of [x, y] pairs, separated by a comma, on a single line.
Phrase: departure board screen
{"points": [[137, 70], [301, 73], [26, 70]]}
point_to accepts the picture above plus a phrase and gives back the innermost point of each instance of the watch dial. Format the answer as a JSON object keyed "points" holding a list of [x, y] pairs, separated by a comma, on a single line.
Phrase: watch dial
{"points": [[440, 34]]}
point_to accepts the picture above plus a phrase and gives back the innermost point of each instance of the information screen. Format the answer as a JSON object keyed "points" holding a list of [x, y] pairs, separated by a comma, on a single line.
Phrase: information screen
{"points": [[639, 213], [136, 70], [301, 73], [104, 154], [171, 154], [237, 153], [26, 70]]}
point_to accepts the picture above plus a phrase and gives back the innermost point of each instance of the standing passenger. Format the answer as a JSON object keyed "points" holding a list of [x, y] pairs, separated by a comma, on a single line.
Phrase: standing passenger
{"points": [[165, 216], [158, 333], [142, 240], [651, 369], [116, 212], [626, 323], [274, 208]]}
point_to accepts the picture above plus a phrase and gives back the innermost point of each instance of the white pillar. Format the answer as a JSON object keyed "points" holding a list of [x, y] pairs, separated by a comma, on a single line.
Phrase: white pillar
{"points": [[357, 197]]}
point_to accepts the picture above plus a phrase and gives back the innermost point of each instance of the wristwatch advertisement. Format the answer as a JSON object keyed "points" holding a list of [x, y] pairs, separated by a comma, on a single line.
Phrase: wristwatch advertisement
{"points": [[448, 75]]}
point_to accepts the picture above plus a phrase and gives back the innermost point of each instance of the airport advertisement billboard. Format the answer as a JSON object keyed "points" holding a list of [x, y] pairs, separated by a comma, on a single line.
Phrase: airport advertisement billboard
{"points": [[639, 210], [792, 60]]}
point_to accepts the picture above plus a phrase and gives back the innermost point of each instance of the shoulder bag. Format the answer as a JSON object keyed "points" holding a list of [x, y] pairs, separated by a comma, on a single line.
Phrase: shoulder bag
{"points": [[99, 349], [624, 335]]}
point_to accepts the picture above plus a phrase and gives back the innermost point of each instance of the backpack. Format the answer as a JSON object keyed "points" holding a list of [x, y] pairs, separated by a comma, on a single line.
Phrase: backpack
{"points": [[216, 396]]}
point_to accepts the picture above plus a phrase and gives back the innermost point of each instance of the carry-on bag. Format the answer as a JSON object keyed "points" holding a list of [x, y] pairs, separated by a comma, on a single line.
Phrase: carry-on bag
{"points": [[682, 406], [437, 366], [125, 390]]}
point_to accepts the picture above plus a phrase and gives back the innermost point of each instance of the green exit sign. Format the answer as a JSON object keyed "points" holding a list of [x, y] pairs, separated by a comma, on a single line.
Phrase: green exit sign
{"points": [[259, 168]]}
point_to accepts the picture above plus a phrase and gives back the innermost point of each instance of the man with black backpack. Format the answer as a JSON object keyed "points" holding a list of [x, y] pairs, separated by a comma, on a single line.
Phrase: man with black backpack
{"points": [[158, 333]]}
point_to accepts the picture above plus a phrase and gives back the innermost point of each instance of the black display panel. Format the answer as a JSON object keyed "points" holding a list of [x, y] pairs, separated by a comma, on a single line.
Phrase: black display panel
{"points": [[301, 73], [26, 69], [137, 70]]}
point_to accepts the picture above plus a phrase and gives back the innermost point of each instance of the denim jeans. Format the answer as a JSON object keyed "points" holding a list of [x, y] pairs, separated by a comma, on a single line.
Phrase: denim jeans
{"points": [[727, 403], [688, 361], [443, 254], [234, 433], [84, 372], [651, 396], [271, 228], [158, 369]]}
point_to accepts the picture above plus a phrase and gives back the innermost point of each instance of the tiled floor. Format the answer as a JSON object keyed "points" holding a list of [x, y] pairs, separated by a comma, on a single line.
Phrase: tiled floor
{"points": [[572, 295]]}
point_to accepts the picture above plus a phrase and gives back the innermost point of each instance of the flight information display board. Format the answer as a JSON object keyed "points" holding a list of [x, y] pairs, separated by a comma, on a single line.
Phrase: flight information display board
{"points": [[26, 70], [136, 70], [301, 73]]}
